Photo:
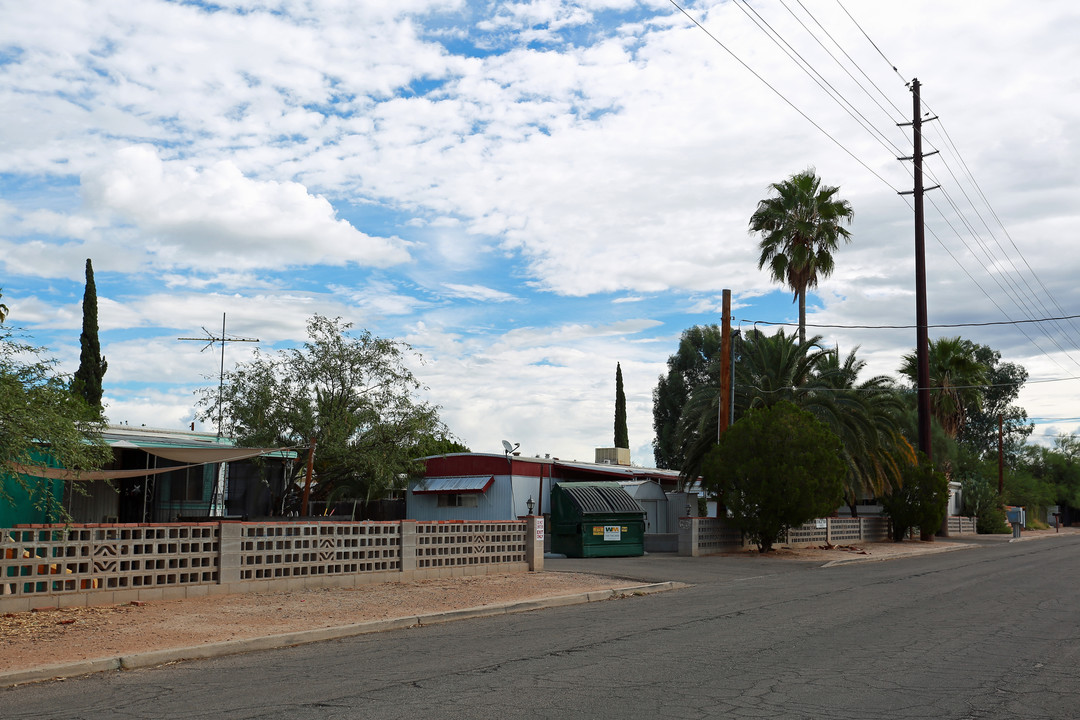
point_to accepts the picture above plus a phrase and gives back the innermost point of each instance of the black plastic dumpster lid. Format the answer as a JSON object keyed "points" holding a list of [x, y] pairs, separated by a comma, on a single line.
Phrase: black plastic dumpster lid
{"points": [[593, 499]]}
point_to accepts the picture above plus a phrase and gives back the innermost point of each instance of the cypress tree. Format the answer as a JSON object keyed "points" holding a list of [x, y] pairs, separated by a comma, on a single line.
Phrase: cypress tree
{"points": [[622, 437], [92, 365]]}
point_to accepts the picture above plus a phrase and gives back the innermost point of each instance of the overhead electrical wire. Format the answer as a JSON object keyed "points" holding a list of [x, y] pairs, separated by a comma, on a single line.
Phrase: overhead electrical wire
{"points": [[1008, 277], [912, 327], [814, 75], [900, 113], [779, 94], [1017, 296]]}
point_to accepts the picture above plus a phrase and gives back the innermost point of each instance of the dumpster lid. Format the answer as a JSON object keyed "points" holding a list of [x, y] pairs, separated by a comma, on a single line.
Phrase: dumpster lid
{"points": [[594, 498]]}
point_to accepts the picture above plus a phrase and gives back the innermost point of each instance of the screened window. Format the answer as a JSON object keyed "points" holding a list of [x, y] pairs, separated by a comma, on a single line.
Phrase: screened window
{"points": [[458, 500]]}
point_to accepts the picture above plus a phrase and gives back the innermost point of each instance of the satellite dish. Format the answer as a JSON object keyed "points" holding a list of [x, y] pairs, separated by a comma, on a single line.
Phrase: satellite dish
{"points": [[507, 446]]}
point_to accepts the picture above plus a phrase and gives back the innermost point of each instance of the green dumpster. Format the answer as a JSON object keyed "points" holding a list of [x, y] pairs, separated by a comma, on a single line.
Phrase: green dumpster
{"points": [[596, 519]]}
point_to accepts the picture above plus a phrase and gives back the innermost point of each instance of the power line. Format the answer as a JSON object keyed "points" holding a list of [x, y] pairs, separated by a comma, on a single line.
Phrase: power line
{"points": [[858, 67], [816, 76], [887, 61], [911, 327], [781, 95], [1017, 296]]}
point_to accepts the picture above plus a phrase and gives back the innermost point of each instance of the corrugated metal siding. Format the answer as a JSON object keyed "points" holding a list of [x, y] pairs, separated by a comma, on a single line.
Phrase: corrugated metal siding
{"points": [[100, 503]]}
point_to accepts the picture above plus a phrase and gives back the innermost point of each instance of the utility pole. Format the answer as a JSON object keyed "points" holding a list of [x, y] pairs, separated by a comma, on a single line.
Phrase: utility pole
{"points": [[922, 342], [210, 339], [1001, 455], [723, 403]]}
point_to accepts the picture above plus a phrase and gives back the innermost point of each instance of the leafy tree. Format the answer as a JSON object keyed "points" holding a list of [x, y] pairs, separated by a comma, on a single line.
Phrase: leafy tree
{"points": [[87, 380], [982, 502], [695, 364], [1045, 476], [42, 423], [622, 435], [777, 467], [957, 378], [921, 502], [1003, 383], [352, 393], [800, 229], [439, 443]]}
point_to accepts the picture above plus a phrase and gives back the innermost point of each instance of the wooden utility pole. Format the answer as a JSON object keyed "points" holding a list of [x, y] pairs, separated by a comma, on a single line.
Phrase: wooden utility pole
{"points": [[724, 401], [307, 480], [1001, 455], [922, 342]]}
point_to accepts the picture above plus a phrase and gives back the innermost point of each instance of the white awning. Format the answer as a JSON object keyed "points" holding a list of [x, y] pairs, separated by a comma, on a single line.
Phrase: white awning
{"points": [[445, 485], [191, 456]]}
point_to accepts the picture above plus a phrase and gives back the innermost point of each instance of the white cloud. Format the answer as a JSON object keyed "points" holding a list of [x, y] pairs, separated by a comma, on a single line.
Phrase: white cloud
{"points": [[259, 162], [477, 292], [215, 217]]}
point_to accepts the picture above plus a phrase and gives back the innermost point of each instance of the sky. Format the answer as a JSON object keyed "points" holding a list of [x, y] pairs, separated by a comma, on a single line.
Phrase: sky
{"points": [[529, 193]]}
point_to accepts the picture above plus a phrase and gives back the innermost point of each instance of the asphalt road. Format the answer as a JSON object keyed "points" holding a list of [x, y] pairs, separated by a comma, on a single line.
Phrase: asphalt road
{"points": [[990, 632]]}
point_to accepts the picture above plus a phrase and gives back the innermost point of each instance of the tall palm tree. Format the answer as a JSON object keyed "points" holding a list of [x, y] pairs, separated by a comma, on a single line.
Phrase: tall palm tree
{"points": [[800, 228], [956, 380]]}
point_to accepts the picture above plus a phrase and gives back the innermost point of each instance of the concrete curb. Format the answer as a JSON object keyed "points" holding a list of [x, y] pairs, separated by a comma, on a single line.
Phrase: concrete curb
{"points": [[153, 658], [882, 558]]}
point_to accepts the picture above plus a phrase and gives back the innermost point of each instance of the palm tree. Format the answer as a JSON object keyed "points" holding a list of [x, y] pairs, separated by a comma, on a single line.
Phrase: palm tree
{"points": [[800, 228], [869, 418], [769, 368], [956, 380], [866, 416]]}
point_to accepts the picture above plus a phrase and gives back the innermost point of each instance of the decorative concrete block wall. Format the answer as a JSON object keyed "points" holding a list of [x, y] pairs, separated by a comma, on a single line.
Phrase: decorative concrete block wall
{"points": [[704, 536], [56, 566]]}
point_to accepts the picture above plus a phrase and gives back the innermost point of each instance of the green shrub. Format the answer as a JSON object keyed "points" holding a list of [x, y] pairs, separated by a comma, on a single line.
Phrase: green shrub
{"points": [[921, 502], [992, 521]]}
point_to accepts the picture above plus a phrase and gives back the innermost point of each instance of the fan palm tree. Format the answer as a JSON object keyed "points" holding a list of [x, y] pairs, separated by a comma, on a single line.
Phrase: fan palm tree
{"points": [[769, 368], [865, 416], [868, 416], [956, 380], [800, 229]]}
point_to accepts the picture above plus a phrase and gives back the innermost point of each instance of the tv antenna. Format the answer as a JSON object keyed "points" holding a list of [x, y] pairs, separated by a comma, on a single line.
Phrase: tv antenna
{"points": [[210, 339]]}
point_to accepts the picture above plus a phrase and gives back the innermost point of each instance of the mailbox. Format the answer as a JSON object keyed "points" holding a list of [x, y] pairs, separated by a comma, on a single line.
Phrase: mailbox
{"points": [[1016, 516]]}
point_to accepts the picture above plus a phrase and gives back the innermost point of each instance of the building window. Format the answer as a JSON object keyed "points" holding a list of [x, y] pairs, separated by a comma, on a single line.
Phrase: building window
{"points": [[187, 485], [458, 500]]}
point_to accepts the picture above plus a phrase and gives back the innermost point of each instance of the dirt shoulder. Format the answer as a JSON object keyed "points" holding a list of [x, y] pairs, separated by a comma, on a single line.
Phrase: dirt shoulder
{"points": [[69, 635]]}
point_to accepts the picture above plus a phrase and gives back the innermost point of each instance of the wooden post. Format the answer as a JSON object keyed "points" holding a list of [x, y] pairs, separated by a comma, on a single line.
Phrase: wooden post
{"points": [[307, 480]]}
